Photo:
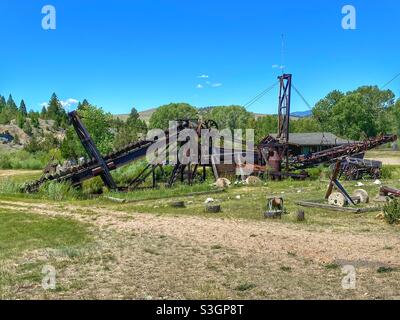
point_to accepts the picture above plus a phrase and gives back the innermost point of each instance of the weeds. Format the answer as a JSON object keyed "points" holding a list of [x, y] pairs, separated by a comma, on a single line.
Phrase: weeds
{"points": [[57, 191], [9, 186], [245, 287], [392, 211]]}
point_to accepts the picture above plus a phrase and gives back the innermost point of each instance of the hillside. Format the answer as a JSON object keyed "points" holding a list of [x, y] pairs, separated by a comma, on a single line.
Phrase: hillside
{"points": [[146, 115], [20, 138]]}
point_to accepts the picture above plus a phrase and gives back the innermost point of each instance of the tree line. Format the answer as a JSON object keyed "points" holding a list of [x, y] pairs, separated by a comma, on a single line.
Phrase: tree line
{"points": [[356, 115]]}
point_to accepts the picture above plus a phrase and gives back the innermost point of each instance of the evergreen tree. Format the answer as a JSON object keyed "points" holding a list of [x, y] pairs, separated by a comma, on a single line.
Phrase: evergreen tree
{"points": [[2, 103], [11, 104], [22, 108], [82, 105], [56, 112], [43, 113]]}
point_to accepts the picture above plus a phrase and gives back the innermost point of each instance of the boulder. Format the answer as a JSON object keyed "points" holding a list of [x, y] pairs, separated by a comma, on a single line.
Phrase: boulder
{"points": [[222, 183], [253, 181]]}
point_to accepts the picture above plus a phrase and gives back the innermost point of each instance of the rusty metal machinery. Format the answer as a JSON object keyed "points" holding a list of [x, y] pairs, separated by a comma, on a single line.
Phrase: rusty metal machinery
{"points": [[102, 166], [356, 169], [389, 192], [353, 167], [330, 155]]}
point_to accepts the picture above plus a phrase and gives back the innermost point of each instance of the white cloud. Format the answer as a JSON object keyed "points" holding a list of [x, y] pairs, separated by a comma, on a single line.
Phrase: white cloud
{"points": [[68, 103], [199, 86], [203, 76], [216, 85]]}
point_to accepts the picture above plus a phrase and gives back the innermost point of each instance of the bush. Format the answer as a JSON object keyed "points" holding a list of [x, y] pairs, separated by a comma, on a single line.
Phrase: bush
{"points": [[26, 160], [59, 191], [387, 172], [392, 211], [8, 186], [321, 172]]}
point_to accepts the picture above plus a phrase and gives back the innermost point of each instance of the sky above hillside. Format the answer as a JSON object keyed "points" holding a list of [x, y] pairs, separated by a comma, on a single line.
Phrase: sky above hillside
{"points": [[145, 53]]}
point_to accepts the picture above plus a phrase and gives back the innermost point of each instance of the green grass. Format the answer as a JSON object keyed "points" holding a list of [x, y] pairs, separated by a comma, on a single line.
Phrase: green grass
{"points": [[25, 231], [163, 192], [23, 160]]}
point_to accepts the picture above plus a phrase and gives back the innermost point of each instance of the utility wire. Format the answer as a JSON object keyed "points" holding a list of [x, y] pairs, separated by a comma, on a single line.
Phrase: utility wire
{"points": [[302, 97], [260, 95], [398, 75]]}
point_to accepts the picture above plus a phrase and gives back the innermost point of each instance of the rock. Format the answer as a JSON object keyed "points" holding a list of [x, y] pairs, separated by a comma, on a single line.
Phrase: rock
{"points": [[253, 181], [378, 182], [209, 200], [359, 184], [238, 197], [380, 216], [222, 183]]}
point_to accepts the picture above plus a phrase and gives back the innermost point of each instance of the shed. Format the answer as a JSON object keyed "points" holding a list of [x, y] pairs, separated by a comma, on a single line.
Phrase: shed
{"points": [[304, 143]]}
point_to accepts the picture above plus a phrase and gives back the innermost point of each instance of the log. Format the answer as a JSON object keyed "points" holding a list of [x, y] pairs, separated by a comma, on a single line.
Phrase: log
{"points": [[310, 204]]}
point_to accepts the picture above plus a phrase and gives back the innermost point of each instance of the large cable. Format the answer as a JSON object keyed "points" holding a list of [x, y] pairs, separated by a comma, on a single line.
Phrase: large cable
{"points": [[260, 95], [389, 82], [302, 97]]}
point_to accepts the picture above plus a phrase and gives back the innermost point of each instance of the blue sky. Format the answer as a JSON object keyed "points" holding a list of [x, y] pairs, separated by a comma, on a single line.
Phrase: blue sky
{"points": [[145, 53]]}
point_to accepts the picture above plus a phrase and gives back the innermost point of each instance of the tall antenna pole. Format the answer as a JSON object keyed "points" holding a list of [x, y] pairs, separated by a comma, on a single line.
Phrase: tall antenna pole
{"points": [[283, 53]]}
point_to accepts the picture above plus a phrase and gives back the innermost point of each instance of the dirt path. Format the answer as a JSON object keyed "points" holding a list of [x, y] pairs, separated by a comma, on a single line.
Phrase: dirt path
{"points": [[12, 173], [256, 237]]}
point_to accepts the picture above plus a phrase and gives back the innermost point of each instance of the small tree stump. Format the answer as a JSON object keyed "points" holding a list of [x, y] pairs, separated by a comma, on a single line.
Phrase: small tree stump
{"points": [[301, 216], [213, 208], [177, 204]]}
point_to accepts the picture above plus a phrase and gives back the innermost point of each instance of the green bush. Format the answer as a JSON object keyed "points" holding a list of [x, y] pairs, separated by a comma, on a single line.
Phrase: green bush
{"points": [[9, 186], [93, 186], [59, 191], [24, 160], [387, 172], [392, 211], [318, 173]]}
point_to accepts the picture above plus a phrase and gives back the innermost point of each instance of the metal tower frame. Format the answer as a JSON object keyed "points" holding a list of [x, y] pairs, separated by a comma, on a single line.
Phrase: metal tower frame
{"points": [[285, 94]]}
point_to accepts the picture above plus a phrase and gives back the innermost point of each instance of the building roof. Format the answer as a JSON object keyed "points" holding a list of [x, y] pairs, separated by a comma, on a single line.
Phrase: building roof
{"points": [[315, 139]]}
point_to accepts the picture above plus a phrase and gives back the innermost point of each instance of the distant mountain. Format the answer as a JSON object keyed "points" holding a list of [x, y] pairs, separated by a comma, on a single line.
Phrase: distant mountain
{"points": [[146, 115], [302, 114]]}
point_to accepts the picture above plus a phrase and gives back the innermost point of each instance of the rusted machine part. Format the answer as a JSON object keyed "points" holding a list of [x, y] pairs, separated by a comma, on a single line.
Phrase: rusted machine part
{"points": [[337, 199], [275, 164], [354, 168], [340, 200], [275, 208], [326, 156], [387, 192]]}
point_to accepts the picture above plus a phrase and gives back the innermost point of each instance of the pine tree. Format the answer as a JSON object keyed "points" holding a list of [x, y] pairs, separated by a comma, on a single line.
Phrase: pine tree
{"points": [[11, 104], [43, 113], [56, 112], [22, 108], [2, 103], [82, 105]]}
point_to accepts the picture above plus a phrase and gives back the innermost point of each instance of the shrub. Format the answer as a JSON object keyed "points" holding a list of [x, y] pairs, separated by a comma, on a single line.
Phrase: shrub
{"points": [[387, 172], [59, 191], [392, 211], [9, 186]]}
